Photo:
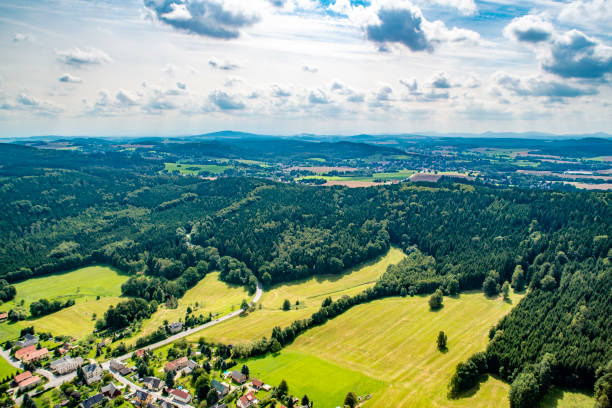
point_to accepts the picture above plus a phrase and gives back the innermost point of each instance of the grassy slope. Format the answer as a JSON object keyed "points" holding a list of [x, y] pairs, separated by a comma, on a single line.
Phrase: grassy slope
{"points": [[83, 285], [212, 296], [6, 369], [309, 292], [393, 341]]}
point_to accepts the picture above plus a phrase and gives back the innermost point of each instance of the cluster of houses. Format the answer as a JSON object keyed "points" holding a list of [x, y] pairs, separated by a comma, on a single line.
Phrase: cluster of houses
{"points": [[181, 364], [120, 368]]}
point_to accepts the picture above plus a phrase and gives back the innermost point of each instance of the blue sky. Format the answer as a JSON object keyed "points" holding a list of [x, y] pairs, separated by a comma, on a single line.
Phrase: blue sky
{"points": [[172, 67]]}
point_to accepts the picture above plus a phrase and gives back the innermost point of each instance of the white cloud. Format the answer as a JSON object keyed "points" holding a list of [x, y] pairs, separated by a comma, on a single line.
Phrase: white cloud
{"points": [[82, 57], [67, 78], [530, 28], [585, 13]]}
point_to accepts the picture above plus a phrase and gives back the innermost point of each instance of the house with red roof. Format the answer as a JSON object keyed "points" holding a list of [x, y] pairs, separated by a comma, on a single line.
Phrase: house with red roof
{"points": [[257, 384], [180, 396], [29, 382], [247, 400], [23, 351], [36, 355]]}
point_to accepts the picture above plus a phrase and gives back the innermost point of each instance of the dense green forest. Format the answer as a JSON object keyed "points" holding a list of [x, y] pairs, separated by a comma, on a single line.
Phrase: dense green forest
{"points": [[64, 209]]}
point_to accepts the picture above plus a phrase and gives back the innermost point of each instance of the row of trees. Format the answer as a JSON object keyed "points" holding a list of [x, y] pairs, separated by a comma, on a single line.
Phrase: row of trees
{"points": [[43, 307]]}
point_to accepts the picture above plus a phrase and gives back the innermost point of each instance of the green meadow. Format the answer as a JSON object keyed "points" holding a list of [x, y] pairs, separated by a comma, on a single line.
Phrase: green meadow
{"points": [[6, 370], [84, 285], [194, 169]]}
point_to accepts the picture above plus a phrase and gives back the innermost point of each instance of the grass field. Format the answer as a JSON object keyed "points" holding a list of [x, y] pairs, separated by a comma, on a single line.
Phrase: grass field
{"points": [[6, 370], [83, 285], [311, 375], [393, 342], [398, 175], [212, 296], [194, 169], [561, 398], [309, 292]]}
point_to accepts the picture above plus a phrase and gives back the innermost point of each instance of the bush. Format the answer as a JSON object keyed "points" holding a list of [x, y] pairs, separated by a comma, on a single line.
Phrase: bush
{"points": [[435, 301]]}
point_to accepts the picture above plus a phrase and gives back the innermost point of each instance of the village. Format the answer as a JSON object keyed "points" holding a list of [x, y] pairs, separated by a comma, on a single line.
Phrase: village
{"points": [[62, 374]]}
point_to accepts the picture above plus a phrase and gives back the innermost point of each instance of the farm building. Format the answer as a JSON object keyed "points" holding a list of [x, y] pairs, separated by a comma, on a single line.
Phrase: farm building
{"points": [[257, 384], [175, 327], [92, 401], [29, 382], [176, 365], [110, 391], [222, 389], [35, 355], [28, 340]]}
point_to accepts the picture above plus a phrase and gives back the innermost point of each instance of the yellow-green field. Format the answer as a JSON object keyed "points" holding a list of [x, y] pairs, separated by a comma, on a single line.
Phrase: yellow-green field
{"points": [[211, 295], [310, 293], [83, 285], [393, 341], [561, 398], [6, 370]]}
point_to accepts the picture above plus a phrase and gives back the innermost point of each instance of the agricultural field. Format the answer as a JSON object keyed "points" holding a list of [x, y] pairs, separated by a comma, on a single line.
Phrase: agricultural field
{"points": [[195, 169], [310, 293], [210, 295], [84, 285], [393, 342]]}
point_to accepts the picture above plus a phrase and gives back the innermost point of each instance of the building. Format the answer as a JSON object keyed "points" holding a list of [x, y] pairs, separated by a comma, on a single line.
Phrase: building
{"points": [[258, 385], [125, 371], [110, 391], [219, 405], [139, 352], [180, 396], [238, 377], [35, 355], [176, 365], [28, 340], [192, 364], [247, 400], [222, 389], [116, 365], [29, 382], [20, 377], [23, 351], [66, 365], [93, 373], [3, 316], [143, 398], [92, 401], [175, 327], [153, 383]]}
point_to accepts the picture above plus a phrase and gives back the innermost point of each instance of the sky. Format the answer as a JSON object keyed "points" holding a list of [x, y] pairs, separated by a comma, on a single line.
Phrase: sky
{"points": [[181, 67]]}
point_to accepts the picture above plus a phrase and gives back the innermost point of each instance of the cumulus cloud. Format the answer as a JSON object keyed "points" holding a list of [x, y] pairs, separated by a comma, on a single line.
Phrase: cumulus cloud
{"points": [[223, 65], [402, 22], [540, 87], [586, 12], [181, 85], [232, 80], [210, 18], [67, 78], [125, 98], [280, 92], [225, 101], [440, 80], [472, 82], [576, 55], [318, 96], [530, 29], [310, 68], [26, 102], [383, 94], [82, 57]]}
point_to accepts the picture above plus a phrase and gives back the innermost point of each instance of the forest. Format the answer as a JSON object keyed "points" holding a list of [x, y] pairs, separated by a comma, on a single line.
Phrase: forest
{"points": [[65, 209]]}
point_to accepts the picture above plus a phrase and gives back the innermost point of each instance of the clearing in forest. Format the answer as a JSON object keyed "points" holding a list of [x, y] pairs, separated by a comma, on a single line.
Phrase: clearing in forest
{"points": [[309, 293], [83, 285]]}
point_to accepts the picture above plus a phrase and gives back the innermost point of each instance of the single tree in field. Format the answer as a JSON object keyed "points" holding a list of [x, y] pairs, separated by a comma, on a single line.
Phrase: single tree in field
{"points": [[286, 305], [245, 370], [244, 305], [351, 400], [506, 290], [435, 301], [305, 401], [282, 388], [442, 341]]}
